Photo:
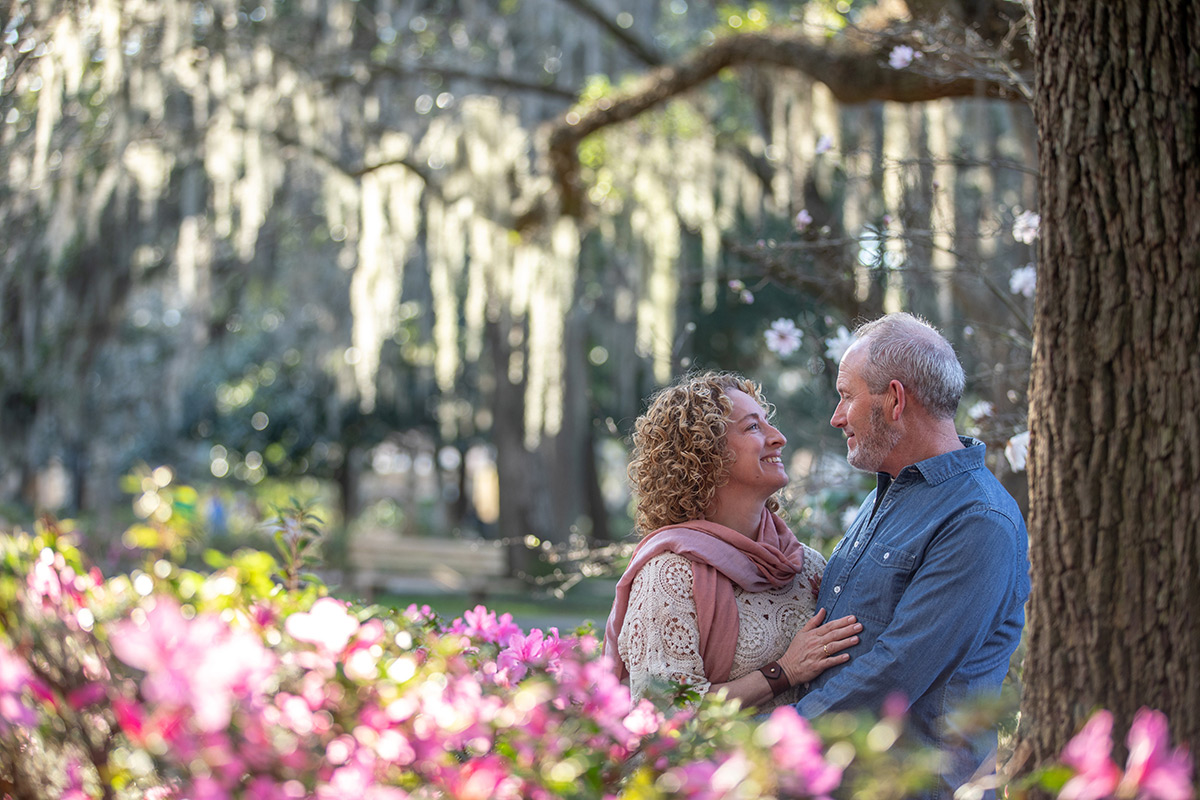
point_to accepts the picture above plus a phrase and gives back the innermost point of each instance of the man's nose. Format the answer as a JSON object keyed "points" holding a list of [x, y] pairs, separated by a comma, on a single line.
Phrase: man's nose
{"points": [[838, 420]]}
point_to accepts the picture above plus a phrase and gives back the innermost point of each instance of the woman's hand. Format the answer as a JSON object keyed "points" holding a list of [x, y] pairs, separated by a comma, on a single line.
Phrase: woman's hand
{"points": [[818, 647]]}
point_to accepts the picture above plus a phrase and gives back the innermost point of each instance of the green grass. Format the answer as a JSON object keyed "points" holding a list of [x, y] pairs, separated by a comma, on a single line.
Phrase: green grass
{"points": [[528, 610]]}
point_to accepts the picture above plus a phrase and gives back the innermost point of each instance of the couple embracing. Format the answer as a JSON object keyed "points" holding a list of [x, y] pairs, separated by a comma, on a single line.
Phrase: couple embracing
{"points": [[922, 599]]}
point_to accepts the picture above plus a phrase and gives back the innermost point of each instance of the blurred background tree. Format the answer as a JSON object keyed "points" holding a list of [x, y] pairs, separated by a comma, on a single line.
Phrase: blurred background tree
{"points": [[356, 241]]}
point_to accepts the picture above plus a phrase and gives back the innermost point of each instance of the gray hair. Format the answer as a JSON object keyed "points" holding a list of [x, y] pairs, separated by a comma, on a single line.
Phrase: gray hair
{"points": [[908, 349]]}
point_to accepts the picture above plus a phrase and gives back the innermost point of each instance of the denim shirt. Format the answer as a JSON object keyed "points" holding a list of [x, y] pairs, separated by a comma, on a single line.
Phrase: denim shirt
{"points": [[936, 568]]}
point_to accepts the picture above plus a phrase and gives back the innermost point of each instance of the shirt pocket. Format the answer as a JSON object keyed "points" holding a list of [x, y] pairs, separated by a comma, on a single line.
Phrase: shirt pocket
{"points": [[879, 580]]}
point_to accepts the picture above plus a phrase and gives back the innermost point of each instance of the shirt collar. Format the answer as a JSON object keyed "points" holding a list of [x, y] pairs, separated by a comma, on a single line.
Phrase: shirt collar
{"points": [[947, 465]]}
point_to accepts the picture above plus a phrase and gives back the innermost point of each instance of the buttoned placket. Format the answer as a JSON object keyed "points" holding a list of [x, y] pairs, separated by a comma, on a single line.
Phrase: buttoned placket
{"points": [[864, 536]]}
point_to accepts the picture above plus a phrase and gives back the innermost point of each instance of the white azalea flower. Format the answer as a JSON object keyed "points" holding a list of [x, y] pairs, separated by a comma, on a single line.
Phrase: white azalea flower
{"points": [[1025, 226], [1023, 280], [783, 337], [983, 408], [838, 344], [1017, 451], [901, 56]]}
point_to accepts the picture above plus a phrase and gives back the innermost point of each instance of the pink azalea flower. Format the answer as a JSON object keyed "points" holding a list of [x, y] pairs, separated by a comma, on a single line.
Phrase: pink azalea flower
{"points": [[327, 624], [43, 580], [480, 623], [696, 780], [796, 749], [1089, 754], [415, 613], [15, 675], [198, 663], [644, 719], [479, 779], [1154, 771], [74, 788]]}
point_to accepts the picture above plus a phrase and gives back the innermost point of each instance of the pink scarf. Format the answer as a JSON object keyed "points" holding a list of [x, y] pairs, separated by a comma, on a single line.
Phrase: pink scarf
{"points": [[721, 558]]}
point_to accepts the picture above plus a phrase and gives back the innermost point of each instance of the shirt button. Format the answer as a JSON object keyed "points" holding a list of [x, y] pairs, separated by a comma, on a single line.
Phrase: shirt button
{"points": [[885, 556], [837, 590]]}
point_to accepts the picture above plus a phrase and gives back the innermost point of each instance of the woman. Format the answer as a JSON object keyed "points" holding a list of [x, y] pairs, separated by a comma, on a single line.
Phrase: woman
{"points": [[718, 594]]}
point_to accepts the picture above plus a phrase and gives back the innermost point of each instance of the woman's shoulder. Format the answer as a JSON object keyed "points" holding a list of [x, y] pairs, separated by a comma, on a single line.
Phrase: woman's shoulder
{"points": [[813, 560], [667, 560]]}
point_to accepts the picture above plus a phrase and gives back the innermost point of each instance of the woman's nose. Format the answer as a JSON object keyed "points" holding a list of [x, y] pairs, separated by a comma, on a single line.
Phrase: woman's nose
{"points": [[777, 436]]}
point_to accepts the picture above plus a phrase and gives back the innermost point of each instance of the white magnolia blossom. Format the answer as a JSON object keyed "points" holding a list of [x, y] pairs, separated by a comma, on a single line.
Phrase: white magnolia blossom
{"points": [[984, 408], [837, 345], [1025, 226], [783, 337], [1023, 280], [1017, 450], [803, 219], [901, 56], [824, 143]]}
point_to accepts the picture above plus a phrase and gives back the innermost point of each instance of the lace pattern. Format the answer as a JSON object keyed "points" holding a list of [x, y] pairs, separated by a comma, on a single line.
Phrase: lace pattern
{"points": [[660, 640]]}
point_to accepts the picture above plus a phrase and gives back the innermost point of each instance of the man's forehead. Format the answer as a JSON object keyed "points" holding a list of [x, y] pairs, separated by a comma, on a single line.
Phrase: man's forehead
{"points": [[851, 361]]}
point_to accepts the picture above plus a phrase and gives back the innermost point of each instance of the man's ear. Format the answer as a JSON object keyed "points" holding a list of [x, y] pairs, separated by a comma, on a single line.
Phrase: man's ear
{"points": [[895, 400]]}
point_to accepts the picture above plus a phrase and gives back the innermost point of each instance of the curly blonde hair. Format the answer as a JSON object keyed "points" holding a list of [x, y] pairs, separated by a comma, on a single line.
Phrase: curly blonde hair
{"points": [[680, 457]]}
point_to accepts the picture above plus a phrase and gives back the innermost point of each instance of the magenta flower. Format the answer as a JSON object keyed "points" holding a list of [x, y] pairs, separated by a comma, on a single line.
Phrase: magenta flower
{"points": [[796, 749], [479, 623], [644, 719], [198, 663], [327, 624], [15, 676], [1089, 754], [479, 779], [1154, 771]]}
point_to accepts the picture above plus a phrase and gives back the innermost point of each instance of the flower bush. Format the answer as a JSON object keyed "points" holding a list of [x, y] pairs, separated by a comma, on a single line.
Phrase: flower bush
{"points": [[170, 683]]}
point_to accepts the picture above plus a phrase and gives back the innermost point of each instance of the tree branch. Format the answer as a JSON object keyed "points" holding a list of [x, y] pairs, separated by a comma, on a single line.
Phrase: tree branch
{"points": [[635, 46], [852, 66]]}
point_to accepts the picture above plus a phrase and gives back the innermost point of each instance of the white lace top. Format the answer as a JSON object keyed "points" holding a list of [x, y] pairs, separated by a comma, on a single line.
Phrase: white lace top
{"points": [[660, 638]]}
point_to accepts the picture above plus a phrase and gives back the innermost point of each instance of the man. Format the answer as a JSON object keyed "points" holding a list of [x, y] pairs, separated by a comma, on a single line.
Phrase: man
{"points": [[935, 566]]}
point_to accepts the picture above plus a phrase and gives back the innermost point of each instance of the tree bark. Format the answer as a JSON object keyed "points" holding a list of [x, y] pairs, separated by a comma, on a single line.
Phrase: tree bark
{"points": [[1115, 461]]}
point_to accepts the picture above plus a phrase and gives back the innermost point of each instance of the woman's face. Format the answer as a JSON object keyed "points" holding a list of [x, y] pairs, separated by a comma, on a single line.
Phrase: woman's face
{"points": [[757, 446]]}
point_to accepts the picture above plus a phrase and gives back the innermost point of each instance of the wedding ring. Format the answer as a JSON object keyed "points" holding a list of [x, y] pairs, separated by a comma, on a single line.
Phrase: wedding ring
{"points": [[825, 647]]}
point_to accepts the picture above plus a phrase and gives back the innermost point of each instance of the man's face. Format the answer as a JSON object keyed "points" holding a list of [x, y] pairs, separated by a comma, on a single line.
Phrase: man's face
{"points": [[870, 436]]}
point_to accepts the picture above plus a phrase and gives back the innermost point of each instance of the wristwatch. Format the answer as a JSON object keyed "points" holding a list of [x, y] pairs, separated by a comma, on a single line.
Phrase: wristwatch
{"points": [[776, 678]]}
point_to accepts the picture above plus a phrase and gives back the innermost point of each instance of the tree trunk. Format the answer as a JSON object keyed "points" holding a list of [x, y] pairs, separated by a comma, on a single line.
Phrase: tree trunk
{"points": [[1115, 461], [524, 505]]}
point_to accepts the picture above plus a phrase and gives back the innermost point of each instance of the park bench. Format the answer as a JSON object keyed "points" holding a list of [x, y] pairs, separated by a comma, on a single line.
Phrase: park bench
{"points": [[382, 560]]}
